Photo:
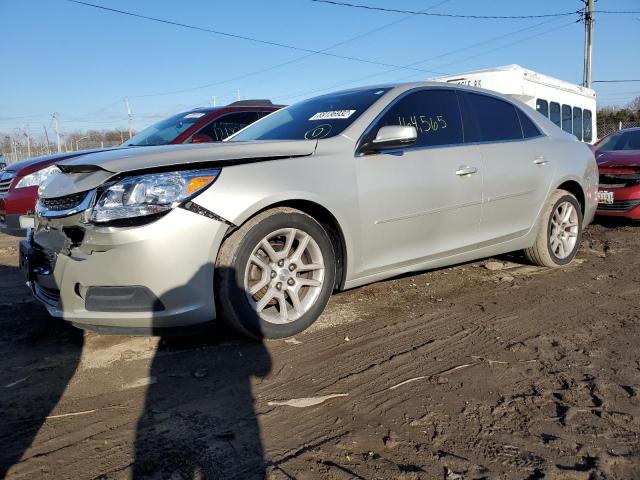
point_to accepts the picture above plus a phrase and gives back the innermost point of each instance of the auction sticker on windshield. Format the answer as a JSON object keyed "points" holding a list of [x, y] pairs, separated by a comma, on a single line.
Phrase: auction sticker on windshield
{"points": [[333, 115]]}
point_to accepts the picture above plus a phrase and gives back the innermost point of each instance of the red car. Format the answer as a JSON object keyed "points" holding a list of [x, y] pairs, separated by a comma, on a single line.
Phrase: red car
{"points": [[618, 157], [19, 181]]}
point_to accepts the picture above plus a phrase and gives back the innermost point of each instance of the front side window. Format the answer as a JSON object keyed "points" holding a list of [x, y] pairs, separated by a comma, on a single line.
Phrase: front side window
{"points": [[227, 125], [586, 126], [554, 113], [543, 107], [577, 122], [320, 117], [434, 114], [166, 131], [490, 119], [567, 125]]}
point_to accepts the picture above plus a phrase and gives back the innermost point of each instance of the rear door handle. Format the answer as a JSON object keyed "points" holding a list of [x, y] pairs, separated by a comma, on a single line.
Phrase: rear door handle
{"points": [[465, 170], [540, 160]]}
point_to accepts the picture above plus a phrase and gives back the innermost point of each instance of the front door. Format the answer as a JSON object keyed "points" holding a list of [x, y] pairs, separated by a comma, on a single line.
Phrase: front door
{"points": [[421, 202]]}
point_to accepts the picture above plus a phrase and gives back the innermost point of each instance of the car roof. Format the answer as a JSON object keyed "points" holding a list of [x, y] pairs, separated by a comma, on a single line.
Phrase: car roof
{"points": [[241, 105]]}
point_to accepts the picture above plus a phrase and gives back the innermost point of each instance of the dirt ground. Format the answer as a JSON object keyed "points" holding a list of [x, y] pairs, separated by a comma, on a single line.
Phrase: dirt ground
{"points": [[461, 373]]}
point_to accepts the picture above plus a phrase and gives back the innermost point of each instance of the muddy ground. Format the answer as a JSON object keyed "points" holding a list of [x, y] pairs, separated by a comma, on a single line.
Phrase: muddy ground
{"points": [[461, 373]]}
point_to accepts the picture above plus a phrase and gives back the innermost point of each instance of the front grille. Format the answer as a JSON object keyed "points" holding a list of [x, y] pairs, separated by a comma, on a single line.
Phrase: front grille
{"points": [[63, 203], [5, 181], [619, 206], [48, 295], [619, 180]]}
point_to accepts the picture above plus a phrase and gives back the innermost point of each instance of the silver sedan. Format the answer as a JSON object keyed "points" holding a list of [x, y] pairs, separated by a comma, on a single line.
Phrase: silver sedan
{"points": [[328, 194]]}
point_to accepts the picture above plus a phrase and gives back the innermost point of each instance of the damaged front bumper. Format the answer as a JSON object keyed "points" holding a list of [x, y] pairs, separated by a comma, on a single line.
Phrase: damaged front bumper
{"points": [[145, 279]]}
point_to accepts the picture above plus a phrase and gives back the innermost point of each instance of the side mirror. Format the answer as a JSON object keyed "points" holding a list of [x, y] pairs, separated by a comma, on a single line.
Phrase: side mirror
{"points": [[392, 136], [201, 138]]}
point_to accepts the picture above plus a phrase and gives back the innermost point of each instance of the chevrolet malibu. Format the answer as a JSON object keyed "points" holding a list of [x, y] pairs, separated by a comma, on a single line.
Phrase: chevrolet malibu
{"points": [[328, 194]]}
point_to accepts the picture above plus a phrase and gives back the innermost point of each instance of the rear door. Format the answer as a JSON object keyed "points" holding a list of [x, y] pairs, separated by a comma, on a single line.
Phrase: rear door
{"points": [[423, 201], [517, 167]]}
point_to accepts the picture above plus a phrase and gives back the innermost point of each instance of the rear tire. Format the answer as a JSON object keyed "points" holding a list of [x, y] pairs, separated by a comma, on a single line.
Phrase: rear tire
{"points": [[275, 274], [560, 232]]}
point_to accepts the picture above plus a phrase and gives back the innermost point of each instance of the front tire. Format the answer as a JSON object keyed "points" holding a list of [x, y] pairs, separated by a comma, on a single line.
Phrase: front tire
{"points": [[275, 274], [560, 232]]}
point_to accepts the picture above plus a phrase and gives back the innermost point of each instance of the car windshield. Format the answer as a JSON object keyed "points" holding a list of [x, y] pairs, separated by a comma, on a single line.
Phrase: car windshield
{"points": [[166, 131], [319, 117], [621, 141]]}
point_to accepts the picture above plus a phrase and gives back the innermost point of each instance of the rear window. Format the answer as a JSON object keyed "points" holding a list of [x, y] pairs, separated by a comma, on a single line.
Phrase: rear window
{"points": [[490, 119]]}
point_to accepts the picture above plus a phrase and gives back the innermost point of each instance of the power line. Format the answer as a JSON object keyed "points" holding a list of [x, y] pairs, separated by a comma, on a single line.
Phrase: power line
{"points": [[462, 49], [236, 36], [273, 67], [620, 12], [616, 81], [448, 15]]}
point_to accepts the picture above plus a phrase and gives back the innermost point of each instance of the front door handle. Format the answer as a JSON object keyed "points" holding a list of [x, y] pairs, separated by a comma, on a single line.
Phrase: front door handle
{"points": [[465, 170], [540, 160]]}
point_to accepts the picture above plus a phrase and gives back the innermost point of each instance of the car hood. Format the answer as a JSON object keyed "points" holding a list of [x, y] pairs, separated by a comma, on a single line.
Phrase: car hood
{"points": [[89, 171], [47, 159], [614, 159]]}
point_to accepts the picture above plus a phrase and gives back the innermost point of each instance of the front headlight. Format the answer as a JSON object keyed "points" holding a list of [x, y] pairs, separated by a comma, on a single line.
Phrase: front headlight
{"points": [[150, 194], [35, 179]]}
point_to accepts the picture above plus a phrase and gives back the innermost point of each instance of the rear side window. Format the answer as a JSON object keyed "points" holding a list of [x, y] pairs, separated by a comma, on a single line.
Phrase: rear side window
{"points": [[554, 113], [543, 107], [529, 129], [567, 125], [586, 126], [227, 125], [490, 119], [577, 122], [434, 113]]}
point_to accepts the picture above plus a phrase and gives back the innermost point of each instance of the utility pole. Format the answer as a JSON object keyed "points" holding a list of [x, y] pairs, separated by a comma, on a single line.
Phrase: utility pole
{"points": [[588, 41], [46, 136], [130, 117], [56, 125], [238, 95], [214, 100], [28, 136]]}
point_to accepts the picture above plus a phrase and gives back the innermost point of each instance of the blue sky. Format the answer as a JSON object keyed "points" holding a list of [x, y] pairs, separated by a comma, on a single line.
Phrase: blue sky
{"points": [[82, 62]]}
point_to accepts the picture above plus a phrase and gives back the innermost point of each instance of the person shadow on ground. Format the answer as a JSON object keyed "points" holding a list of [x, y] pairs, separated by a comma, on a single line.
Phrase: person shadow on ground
{"points": [[199, 419], [40, 357]]}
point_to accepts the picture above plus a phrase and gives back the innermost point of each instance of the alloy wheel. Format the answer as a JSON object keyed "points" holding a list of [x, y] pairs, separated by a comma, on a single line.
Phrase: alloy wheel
{"points": [[284, 275], [564, 230]]}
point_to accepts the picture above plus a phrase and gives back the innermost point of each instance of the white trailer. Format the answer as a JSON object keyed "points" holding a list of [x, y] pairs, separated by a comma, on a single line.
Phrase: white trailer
{"points": [[571, 107]]}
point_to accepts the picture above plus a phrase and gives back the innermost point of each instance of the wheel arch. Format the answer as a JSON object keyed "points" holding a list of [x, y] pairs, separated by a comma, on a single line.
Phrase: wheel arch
{"points": [[324, 217], [573, 186]]}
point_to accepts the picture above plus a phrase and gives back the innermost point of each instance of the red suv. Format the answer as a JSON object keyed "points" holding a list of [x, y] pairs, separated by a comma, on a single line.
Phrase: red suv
{"points": [[19, 181], [618, 157]]}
